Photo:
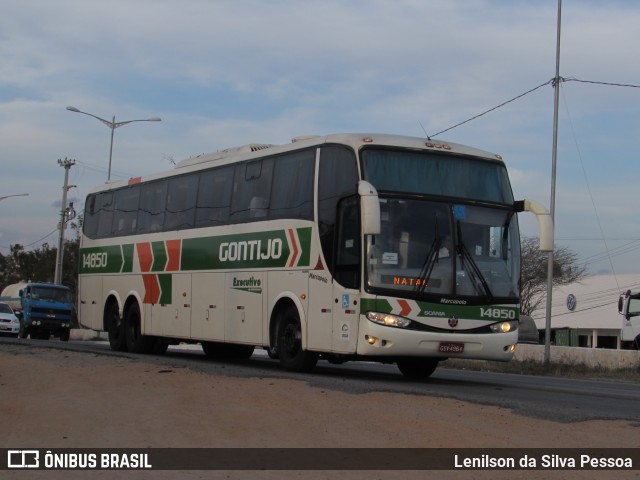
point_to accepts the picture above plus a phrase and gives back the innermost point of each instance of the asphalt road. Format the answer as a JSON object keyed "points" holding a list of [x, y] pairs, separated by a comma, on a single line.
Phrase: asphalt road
{"points": [[553, 398]]}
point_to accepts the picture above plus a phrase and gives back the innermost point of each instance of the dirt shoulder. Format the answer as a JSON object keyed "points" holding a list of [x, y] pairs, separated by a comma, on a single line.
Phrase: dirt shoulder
{"points": [[62, 399], [54, 398]]}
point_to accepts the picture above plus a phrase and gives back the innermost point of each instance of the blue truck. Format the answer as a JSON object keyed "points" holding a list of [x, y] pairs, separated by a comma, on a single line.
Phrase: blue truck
{"points": [[46, 310]]}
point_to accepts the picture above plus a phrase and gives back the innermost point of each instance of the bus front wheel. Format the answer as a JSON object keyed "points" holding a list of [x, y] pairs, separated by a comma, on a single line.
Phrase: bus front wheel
{"points": [[417, 368], [290, 351]]}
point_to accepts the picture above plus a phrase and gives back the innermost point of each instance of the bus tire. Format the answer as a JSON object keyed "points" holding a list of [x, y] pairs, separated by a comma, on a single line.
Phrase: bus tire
{"points": [[272, 352], [290, 352], [160, 346], [65, 335], [115, 329], [417, 368], [135, 340]]}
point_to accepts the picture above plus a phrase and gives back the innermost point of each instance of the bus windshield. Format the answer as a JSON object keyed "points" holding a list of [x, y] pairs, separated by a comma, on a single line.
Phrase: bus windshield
{"points": [[431, 173], [430, 248]]}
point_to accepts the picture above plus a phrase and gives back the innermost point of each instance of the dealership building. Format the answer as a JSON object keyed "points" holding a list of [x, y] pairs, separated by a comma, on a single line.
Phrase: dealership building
{"points": [[585, 313]]}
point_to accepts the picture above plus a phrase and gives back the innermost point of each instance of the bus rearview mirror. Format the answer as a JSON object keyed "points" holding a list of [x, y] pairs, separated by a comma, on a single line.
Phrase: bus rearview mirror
{"points": [[369, 208]]}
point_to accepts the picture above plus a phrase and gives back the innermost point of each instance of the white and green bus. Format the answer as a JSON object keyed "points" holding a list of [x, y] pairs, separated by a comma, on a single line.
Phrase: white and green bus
{"points": [[341, 247]]}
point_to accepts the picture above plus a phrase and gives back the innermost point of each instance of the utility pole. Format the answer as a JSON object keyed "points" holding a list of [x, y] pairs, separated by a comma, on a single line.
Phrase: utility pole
{"points": [[552, 205], [67, 213]]}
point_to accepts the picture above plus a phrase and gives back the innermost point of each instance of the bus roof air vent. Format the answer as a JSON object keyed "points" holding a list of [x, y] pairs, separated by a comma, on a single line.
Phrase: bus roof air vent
{"points": [[249, 148], [227, 152]]}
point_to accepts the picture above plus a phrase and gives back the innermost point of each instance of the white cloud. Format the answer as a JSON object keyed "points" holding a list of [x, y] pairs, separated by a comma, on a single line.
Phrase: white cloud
{"points": [[227, 73]]}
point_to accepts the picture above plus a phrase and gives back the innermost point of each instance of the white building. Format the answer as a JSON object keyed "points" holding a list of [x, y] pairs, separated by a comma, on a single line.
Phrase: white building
{"points": [[587, 311]]}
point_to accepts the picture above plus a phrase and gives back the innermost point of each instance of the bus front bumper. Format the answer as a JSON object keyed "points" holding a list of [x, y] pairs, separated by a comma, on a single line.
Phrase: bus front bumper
{"points": [[379, 340]]}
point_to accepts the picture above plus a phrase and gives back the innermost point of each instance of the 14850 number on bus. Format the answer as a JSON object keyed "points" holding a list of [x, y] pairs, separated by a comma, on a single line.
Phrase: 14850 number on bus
{"points": [[94, 260]]}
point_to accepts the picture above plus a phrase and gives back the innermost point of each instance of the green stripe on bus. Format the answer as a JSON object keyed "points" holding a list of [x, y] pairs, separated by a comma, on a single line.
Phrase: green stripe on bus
{"points": [[159, 256], [127, 254], [304, 234], [437, 310], [166, 284], [101, 260], [249, 250]]}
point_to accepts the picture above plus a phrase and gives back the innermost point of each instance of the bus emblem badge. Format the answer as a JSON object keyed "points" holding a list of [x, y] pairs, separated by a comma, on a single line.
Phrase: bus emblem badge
{"points": [[453, 322]]}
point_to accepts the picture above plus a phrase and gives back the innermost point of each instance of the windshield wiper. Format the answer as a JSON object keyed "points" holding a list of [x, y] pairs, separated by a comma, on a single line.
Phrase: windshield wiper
{"points": [[427, 266], [477, 278]]}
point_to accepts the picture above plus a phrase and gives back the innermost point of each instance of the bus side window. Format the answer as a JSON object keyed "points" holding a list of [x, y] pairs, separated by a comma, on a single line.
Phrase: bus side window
{"points": [[292, 190], [152, 207], [181, 202], [91, 216], [126, 210], [214, 197], [251, 190], [105, 214]]}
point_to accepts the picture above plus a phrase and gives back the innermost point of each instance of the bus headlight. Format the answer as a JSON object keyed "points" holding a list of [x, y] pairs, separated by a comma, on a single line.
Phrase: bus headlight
{"points": [[504, 327], [388, 320]]}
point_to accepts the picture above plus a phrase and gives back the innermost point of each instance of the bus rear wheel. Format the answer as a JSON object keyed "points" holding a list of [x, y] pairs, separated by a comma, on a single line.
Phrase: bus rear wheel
{"points": [[292, 356], [115, 328], [417, 368], [135, 340]]}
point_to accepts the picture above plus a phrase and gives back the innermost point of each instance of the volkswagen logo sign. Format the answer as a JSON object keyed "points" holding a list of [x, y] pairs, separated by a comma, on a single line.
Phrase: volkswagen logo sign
{"points": [[453, 322], [571, 302]]}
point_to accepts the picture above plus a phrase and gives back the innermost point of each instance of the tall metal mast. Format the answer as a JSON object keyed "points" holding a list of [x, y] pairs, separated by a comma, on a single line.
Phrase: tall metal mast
{"points": [[552, 204]]}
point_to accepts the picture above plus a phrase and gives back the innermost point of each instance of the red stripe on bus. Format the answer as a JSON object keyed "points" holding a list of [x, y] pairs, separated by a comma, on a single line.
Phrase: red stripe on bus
{"points": [[294, 257], [173, 251], [145, 257], [151, 289], [405, 308]]}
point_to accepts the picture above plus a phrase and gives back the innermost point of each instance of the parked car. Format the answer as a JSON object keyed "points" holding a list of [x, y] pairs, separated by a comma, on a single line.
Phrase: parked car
{"points": [[9, 323]]}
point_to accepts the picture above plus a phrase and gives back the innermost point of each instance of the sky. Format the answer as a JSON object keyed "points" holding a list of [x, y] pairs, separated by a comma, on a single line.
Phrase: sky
{"points": [[227, 73]]}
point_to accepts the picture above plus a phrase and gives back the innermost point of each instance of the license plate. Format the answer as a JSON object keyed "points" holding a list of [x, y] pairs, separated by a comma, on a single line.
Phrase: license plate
{"points": [[451, 347]]}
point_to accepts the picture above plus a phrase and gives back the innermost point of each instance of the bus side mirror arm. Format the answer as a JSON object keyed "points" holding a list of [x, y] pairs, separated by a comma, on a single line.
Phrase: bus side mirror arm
{"points": [[545, 222], [369, 208]]}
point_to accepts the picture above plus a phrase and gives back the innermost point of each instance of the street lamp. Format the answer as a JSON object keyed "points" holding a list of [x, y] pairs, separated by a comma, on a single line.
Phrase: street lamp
{"points": [[113, 125], [16, 195]]}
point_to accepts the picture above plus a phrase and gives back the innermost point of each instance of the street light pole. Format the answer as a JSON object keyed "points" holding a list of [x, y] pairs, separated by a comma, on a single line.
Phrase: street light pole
{"points": [[113, 125], [15, 195]]}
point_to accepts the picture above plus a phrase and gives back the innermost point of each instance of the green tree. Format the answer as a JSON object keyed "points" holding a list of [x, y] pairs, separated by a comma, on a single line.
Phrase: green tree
{"points": [[39, 264], [533, 277]]}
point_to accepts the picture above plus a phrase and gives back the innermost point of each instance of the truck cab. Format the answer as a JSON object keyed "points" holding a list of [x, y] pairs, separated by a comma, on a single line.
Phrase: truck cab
{"points": [[46, 310], [629, 308]]}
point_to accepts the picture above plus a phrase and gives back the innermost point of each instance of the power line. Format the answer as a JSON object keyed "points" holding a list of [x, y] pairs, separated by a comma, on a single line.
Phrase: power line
{"points": [[494, 108], [572, 79], [37, 241], [552, 82], [593, 202]]}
